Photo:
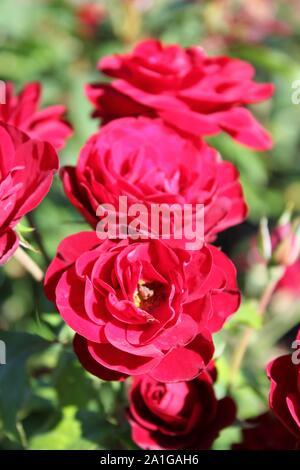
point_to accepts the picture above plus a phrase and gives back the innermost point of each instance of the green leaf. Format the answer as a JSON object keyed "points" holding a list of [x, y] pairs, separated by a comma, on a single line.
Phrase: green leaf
{"points": [[72, 383], [227, 437], [246, 315], [251, 164], [13, 377], [66, 436], [268, 58], [220, 344], [24, 229], [97, 429], [104, 433]]}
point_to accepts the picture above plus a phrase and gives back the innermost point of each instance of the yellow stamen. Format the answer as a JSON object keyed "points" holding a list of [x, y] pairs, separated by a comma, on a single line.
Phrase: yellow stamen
{"points": [[143, 295]]}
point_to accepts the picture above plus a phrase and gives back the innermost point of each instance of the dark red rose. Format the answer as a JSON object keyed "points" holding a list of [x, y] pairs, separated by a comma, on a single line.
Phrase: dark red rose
{"points": [[182, 415], [266, 432], [141, 307], [150, 163], [195, 93], [26, 171], [22, 111], [284, 398]]}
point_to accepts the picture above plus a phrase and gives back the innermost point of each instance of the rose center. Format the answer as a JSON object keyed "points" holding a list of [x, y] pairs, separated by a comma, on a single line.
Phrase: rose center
{"points": [[147, 295]]}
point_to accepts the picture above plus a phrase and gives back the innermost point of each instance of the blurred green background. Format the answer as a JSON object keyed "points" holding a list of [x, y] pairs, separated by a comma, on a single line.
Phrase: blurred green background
{"points": [[47, 401]]}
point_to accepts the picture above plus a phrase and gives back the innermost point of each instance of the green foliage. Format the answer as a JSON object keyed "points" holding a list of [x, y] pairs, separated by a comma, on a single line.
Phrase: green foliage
{"points": [[66, 435], [13, 378], [47, 400], [247, 315]]}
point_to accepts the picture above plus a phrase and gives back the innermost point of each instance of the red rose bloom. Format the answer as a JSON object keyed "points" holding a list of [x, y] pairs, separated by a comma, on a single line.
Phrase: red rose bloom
{"points": [[182, 415], [195, 93], [284, 396], [26, 171], [22, 111], [148, 162], [141, 307], [265, 432]]}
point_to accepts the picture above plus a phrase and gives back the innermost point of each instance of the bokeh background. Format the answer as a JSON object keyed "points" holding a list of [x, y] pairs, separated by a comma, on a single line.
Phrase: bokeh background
{"points": [[47, 401]]}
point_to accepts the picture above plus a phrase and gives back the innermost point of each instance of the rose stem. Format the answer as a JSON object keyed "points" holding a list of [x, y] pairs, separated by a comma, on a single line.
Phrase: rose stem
{"points": [[22, 257], [242, 346]]}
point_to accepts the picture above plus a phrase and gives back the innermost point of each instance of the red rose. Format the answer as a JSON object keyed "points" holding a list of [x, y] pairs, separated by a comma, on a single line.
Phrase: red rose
{"points": [[26, 171], [148, 162], [141, 307], [22, 111], [182, 415], [284, 398], [198, 94], [265, 432]]}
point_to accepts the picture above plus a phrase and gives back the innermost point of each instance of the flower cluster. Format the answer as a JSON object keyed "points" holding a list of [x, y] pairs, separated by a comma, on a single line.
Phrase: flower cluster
{"points": [[148, 308], [145, 307]]}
